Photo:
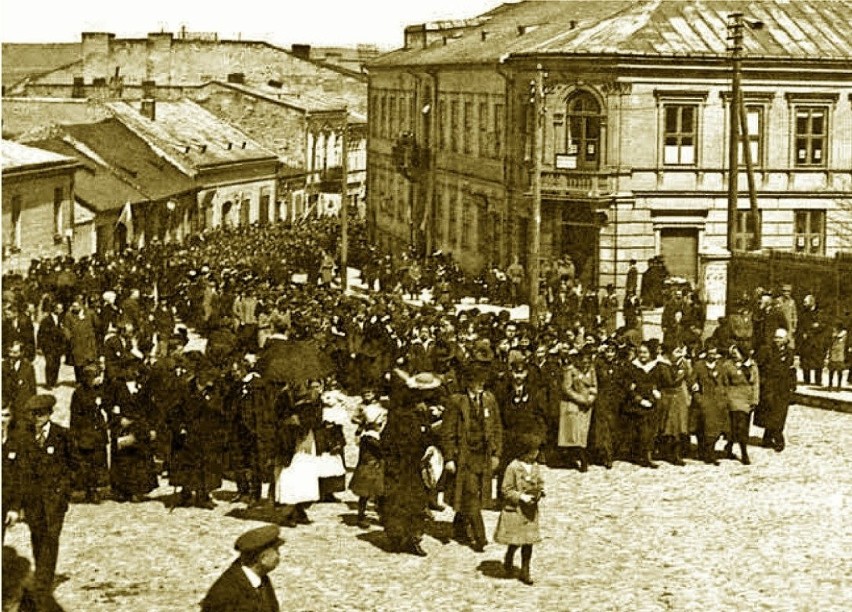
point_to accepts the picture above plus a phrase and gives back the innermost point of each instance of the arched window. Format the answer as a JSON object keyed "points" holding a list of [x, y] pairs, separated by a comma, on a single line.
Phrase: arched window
{"points": [[584, 129]]}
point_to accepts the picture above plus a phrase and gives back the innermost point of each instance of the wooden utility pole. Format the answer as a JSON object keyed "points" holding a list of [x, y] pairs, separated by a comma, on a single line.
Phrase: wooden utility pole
{"points": [[344, 203], [735, 35], [537, 101]]}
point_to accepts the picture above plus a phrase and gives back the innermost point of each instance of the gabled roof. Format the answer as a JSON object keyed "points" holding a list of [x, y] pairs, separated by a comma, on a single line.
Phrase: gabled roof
{"points": [[96, 186], [301, 102], [189, 136], [15, 156], [804, 29]]}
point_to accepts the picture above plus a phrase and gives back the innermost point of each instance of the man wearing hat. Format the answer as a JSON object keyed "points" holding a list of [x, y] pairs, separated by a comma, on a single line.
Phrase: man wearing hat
{"points": [[245, 585], [786, 305], [777, 385], [46, 466], [472, 441]]}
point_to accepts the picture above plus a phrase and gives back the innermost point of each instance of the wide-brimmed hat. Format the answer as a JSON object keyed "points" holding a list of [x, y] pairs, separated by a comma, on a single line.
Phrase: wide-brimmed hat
{"points": [[482, 351], [423, 381]]}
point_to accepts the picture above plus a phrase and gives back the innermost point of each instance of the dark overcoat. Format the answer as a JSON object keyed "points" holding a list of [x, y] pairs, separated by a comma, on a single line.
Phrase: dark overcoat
{"points": [[777, 385], [456, 446], [232, 592]]}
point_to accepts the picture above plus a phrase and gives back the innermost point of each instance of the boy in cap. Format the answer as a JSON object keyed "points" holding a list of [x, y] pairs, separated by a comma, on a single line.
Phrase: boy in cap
{"points": [[245, 585]]}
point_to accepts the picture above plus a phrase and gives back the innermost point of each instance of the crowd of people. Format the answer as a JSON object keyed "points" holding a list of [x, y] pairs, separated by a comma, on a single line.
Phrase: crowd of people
{"points": [[491, 396]]}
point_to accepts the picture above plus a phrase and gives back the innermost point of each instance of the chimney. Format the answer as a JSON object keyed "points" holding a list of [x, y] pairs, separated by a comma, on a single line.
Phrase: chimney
{"points": [[95, 49], [148, 109], [301, 51], [237, 77], [572, 24], [484, 35]]}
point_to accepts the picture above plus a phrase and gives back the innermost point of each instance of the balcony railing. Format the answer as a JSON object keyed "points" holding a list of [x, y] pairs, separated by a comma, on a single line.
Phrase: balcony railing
{"points": [[576, 182]]}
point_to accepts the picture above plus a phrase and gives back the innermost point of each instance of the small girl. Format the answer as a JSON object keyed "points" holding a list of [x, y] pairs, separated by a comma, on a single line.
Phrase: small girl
{"points": [[523, 487], [368, 480], [837, 349]]}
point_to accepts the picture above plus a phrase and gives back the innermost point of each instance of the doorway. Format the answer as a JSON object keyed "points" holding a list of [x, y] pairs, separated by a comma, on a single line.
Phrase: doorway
{"points": [[679, 248]]}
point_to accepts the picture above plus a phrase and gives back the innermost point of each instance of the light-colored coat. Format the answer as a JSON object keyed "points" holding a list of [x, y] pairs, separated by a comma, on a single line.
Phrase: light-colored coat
{"points": [[518, 523], [579, 391]]}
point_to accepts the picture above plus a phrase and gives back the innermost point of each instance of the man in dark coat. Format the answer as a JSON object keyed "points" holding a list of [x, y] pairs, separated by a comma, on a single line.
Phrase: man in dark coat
{"points": [[777, 385], [89, 430], [52, 343], [472, 441], [46, 464], [120, 361], [79, 327], [245, 585], [18, 326], [19, 383]]}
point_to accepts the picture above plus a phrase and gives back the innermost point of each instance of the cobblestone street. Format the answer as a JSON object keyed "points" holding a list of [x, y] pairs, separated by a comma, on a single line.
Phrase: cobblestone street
{"points": [[773, 536]]}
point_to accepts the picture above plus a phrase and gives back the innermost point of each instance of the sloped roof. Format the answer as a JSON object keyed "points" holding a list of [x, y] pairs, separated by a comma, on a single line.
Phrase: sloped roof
{"points": [[189, 136], [804, 29], [22, 60], [131, 159], [96, 185], [301, 102], [15, 156]]}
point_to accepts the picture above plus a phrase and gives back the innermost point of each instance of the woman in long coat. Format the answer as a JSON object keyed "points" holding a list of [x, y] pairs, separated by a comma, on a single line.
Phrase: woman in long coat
{"points": [[606, 416], [709, 415], [132, 471], [406, 436], [741, 381], [675, 380], [579, 391], [640, 405]]}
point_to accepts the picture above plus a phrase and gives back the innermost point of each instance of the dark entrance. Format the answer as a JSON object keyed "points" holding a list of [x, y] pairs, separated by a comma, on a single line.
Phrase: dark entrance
{"points": [[679, 248], [579, 239]]}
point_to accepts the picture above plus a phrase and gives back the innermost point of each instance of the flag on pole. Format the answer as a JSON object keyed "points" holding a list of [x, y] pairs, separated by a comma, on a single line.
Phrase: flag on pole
{"points": [[126, 218]]}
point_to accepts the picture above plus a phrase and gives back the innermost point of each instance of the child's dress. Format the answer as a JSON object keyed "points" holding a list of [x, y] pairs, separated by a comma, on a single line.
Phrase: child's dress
{"points": [[518, 522]]}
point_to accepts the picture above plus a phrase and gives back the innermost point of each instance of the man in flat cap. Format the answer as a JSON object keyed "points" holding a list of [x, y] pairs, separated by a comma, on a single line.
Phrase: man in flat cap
{"points": [[46, 465], [245, 585]]}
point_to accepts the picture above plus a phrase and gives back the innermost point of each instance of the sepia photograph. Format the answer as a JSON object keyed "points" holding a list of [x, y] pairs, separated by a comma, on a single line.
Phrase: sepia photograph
{"points": [[462, 305]]}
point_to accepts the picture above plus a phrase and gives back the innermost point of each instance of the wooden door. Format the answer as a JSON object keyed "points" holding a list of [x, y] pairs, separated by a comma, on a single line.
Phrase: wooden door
{"points": [[679, 248]]}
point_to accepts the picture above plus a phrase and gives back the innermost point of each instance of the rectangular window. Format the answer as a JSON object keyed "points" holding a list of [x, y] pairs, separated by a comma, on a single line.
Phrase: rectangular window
{"points": [[754, 122], [442, 124], [467, 225], [810, 136], [498, 130], [15, 230], [58, 197], [483, 238], [453, 228], [809, 232], [744, 234], [454, 126], [468, 128], [393, 117], [680, 134], [439, 214], [483, 149], [383, 130]]}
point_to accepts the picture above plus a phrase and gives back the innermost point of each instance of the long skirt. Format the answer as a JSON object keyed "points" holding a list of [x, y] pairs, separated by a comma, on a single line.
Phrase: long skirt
{"points": [[299, 482], [573, 425], [674, 412]]}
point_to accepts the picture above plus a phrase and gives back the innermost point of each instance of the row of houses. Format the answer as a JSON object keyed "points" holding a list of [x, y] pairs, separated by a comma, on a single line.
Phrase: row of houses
{"points": [[178, 133], [617, 114]]}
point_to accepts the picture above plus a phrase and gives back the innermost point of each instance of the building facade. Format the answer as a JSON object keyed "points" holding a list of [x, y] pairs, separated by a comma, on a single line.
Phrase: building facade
{"points": [[38, 204], [630, 104]]}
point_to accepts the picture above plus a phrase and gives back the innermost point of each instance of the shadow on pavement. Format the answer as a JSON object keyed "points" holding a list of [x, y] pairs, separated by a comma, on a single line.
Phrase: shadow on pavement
{"points": [[266, 513], [377, 539], [493, 569], [16, 570], [440, 530]]}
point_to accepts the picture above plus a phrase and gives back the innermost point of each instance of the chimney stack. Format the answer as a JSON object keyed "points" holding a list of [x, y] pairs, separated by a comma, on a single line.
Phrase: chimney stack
{"points": [[301, 51], [148, 108]]}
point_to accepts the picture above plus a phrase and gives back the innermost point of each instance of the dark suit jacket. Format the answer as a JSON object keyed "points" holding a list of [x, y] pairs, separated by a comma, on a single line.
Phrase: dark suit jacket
{"points": [[51, 337], [18, 385], [47, 471], [21, 328], [232, 592]]}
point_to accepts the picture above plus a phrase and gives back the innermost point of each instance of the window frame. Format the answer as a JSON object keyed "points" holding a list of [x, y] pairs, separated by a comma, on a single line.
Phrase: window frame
{"points": [[679, 134], [585, 117], [809, 234], [17, 204], [58, 210], [809, 137], [499, 128], [743, 236], [680, 97]]}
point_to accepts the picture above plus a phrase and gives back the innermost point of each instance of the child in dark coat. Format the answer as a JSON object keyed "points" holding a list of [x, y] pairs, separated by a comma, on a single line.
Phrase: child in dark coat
{"points": [[368, 479], [518, 526]]}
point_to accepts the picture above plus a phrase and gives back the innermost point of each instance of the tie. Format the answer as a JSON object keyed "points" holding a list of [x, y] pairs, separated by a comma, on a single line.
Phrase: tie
{"points": [[40, 438]]}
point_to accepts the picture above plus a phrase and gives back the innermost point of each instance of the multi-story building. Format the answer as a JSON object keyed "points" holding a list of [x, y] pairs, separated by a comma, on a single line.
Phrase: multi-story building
{"points": [[632, 116], [38, 204]]}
